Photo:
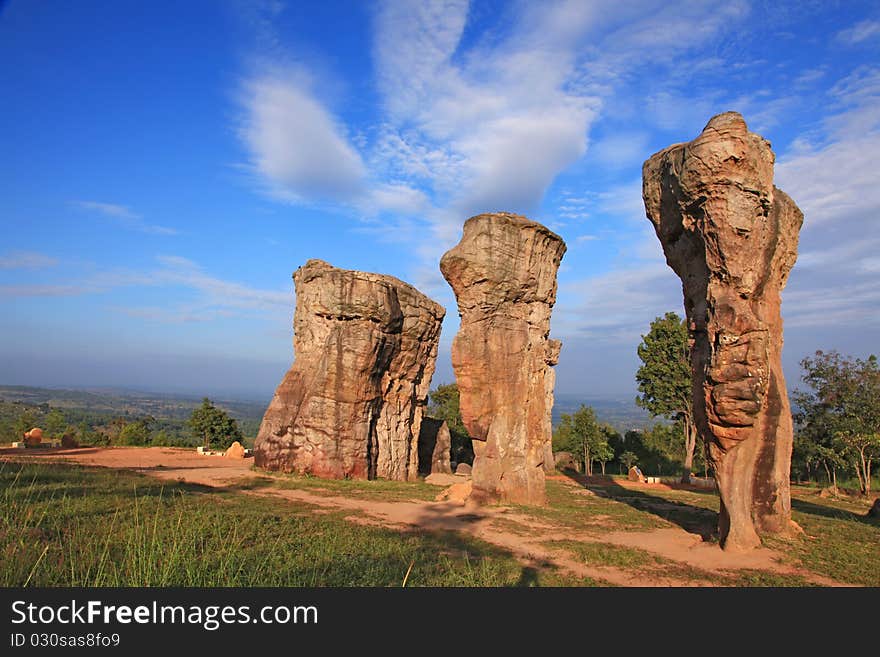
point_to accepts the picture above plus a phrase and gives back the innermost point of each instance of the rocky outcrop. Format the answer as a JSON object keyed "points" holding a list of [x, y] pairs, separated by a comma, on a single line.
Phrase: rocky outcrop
{"points": [[435, 444], [731, 236], [503, 273], [351, 405]]}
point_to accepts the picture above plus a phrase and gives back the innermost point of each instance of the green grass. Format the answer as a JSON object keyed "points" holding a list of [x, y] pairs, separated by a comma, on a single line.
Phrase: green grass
{"points": [[607, 554], [66, 525], [567, 508], [377, 489], [839, 541]]}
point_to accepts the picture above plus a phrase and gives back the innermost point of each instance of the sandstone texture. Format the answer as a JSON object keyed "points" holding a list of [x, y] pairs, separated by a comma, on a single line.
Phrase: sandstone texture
{"points": [[458, 493], [463, 469], [351, 405], [435, 445], [503, 273], [565, 461], [731, 236]]}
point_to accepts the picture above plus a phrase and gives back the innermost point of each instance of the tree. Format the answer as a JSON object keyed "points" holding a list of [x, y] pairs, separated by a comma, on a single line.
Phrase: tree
{"points": [[136, 433], [213, 426], [444, 405], [665, 378], [841, 412], [629, 459], [55, 423], [24, 423], [580, 434]]}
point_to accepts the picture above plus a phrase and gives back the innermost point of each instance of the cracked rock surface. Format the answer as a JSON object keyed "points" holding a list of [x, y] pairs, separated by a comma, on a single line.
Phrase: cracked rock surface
{"points": [[503, 273], [351, 405]]}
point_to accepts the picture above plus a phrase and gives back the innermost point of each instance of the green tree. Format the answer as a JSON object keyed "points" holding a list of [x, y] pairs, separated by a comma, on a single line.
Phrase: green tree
{"points": [[55, 423], [445, 405], [213, 427], [841, 412], [161, 439], [26, 421], [629, 460], [665, 379], [136, 433], [86, 435], [580, 434]]}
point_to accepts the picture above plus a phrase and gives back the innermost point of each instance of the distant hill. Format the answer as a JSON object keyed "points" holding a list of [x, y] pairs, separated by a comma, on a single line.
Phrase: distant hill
{"points": [[130, 403], [622, 414]]}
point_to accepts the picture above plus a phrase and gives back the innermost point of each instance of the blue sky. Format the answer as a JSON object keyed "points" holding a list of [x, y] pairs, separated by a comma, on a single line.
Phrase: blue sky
{"points": [[166, 166]]}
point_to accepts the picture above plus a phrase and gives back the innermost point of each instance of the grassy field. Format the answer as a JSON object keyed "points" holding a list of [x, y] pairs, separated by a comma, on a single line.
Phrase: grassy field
{"points": [[67, 525], [64, 525]]}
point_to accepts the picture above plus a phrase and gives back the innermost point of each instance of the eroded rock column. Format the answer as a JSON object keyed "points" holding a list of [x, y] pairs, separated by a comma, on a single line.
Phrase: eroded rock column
{"points": [[731, 236], [351, 405], [503, 273]]}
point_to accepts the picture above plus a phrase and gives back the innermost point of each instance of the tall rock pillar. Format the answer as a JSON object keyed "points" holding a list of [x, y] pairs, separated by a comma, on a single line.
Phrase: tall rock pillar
{"points": [[503, 273], [731, 236]]}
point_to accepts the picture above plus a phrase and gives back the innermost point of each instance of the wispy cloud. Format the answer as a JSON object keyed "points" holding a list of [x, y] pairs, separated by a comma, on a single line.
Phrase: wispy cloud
{"points": [[124, 216], [11, 291], [212, 297], [862, 31], [618, 305], [26, 260]]}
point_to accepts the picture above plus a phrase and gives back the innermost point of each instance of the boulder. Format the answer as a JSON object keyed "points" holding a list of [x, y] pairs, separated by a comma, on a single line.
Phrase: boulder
{"points": [[441, 479], [565, 461], [235, 451], [464, 469], [69, 442], [636, 475], [503, 273], [33, 437], [435, 445], [731, 236], [351, 404]]}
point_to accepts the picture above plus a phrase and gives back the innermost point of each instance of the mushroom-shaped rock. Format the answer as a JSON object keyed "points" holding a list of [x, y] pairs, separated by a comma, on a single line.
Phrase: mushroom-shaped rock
{"points": [[731, 236]]}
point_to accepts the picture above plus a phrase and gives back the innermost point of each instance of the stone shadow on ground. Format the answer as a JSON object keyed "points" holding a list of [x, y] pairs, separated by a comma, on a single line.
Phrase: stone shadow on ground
{"points": [[804, 506], [693, 519]]}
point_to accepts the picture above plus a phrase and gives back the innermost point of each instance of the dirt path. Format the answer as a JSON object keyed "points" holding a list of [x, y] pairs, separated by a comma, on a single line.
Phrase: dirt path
{"points": [[522, 535]]}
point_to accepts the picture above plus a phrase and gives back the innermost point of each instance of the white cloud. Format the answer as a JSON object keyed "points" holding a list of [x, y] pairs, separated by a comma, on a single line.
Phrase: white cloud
{"points": [[487, 127], [124, 216], [837, 181], [296, 144], [26, 260], [618, 305]]}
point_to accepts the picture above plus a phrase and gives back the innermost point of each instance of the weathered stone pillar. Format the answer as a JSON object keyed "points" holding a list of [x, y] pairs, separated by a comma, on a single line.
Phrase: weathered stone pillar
{"points": [[731, 236], [503, 273], [351, 405]]}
